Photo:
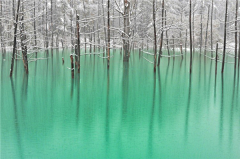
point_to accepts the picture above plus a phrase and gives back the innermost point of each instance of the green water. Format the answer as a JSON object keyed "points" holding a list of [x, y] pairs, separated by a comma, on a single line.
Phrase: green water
{"points": [[128, 112]]}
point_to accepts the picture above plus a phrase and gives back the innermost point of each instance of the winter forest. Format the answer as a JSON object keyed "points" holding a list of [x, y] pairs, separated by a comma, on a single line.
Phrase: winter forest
{"points": [[86, 26], [143, 79]]}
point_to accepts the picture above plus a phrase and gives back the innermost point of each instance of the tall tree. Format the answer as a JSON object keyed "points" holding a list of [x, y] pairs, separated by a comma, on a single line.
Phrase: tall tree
{"points": [[236, 33], [190, 30], [225, 36], [155, 36], [161, 40], [126, 33], [108, 42], [15, 39]]}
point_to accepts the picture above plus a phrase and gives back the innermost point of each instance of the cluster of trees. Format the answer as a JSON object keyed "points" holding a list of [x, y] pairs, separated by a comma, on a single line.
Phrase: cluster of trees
{"points": [[95, 26]]}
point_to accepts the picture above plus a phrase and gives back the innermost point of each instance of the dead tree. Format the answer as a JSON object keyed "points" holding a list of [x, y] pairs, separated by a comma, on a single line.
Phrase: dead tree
{"points": [[225, 36], [126, 33], [46, 7], [23, 41], [72, 66], [78, 43], [15, 39], [212, 30], [206, 37], [52, 26], [201, 27], [216, 57], [190, 30], [155, 36], [166, 32], [161, 40], [1, 27], [35, 31], [108, 41], [236, 34]]}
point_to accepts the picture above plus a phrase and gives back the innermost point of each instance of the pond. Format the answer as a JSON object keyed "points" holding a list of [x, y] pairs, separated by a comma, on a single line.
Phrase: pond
{"points": [[126, 112]]}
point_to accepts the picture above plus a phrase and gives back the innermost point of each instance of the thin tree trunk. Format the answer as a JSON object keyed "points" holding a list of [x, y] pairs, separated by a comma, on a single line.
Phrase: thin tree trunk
{"points": [[186, 43], [72, 66], [225, 36], [52, 26], [1, 28], [155, 36], [212, 30], [126, 33], [166, 32], [216, 57], [78, 43], [108, 44], [105, 32], [190, 30], [35, 31], [201, 28], [206, 37], [236, 23], [15, 39], [46, 27], [161, 40]]}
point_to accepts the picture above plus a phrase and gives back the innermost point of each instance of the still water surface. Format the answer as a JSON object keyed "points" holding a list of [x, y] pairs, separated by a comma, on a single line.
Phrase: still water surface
{"points": [[128, 112]]}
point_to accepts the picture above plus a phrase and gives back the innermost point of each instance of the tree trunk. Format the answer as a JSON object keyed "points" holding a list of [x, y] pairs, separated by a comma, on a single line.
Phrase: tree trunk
{"points": [[190, 30], [236, 34], [35, 31], [212, 30], [46, 27], [15, 39], [52, 27], [201, 28], [161, 40], [108, 42], [78, 43], [23, 39], [225, 36], [206, 37], [105, 32], [72, 66], [155, 37], [126, 33], [166, 32], [216, 57], [1, 27]]}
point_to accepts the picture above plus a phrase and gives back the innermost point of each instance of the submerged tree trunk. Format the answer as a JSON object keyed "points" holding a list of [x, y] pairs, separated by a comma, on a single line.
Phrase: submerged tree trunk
{"points": [[225, 36], [166, 31], [108, 42], [212, 30], [15, 39], [216, 57], [35, 31], [155, 38], [46, 27], [23, 40], [78, 43], [236, 34], [161, 40], [126, 33], [190, 30], [206, 37], [1, 26], [52, 26], [201, 28], [72, 66]]}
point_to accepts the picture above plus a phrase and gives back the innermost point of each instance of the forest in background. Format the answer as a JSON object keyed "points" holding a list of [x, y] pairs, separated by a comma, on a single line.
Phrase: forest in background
{"points": [[96, 26]]}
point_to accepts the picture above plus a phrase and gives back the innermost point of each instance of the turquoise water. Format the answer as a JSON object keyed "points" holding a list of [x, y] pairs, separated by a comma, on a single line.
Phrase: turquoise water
{"points": [[126, 112]]}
